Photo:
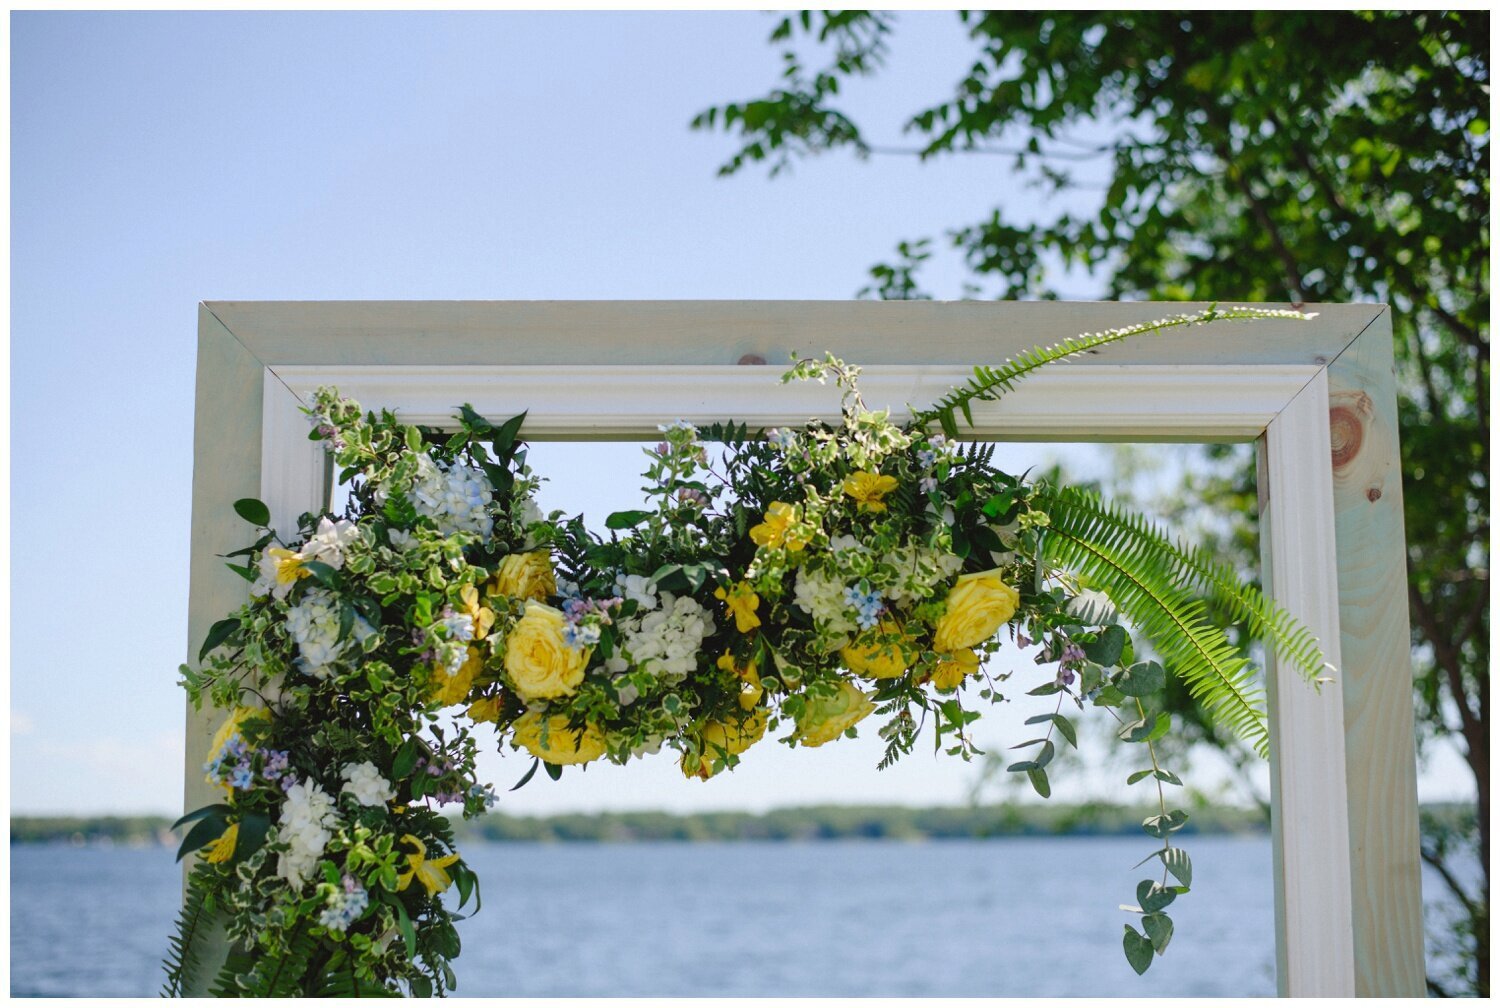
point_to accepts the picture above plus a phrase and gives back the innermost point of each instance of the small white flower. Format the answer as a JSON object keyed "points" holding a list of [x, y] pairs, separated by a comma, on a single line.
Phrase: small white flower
{"points": [[668, 641], [456, 500], [313, 624], [363, 780]]}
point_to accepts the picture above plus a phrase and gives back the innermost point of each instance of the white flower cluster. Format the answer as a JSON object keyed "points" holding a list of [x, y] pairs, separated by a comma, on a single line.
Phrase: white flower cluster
{"points": [[327, 545], [668, 640], [313, 624], [364, 782], [821, 595], [637, 589], [457, 499], [306, 821]]}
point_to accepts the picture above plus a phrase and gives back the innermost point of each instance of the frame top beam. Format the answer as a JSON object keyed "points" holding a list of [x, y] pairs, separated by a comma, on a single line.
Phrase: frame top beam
{"points": [[721, 332]]}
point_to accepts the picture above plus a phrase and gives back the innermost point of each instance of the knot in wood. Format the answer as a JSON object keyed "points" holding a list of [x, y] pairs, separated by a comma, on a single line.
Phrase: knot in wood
{"points": [[1346, 429], [752, 358]]}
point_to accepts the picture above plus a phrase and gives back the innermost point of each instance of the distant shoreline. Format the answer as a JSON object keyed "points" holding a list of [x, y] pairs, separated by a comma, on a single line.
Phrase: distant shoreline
{"points": [[810, 823]]}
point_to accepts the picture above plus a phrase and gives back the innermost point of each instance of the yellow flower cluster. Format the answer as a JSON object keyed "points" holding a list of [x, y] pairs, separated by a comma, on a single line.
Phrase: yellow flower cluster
{"points": [[538, 661], [978, 605]]}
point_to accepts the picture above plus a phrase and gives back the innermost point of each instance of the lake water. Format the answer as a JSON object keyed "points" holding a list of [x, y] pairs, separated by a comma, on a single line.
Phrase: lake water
{"points": [[1014, 916]]}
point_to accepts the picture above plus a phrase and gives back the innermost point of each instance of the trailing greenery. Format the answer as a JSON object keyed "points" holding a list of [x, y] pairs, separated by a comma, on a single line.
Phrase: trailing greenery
{"points": [[182, 956]]}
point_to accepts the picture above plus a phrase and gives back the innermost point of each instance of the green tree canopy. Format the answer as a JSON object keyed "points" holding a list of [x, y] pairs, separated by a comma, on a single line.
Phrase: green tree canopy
{"points": [[1260, 156]]}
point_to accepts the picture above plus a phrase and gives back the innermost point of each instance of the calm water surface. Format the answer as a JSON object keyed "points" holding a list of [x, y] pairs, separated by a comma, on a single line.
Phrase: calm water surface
{"points": [[992, 917]]}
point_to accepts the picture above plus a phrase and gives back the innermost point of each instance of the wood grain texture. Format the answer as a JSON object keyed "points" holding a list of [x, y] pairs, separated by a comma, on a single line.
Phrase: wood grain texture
{"points": [[1377, 675], [724, 332], [226, 467], [1309, 826]]}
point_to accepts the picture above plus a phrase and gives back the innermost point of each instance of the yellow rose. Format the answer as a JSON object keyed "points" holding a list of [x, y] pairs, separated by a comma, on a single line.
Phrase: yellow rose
{"points": [[869, 656], [781, 528], [978, 605], [952, 670], [483, 616], [825, 718], [222, 849], [525, 576], [720, 737], [750, 688], [537, 658], [447, 689], [869, 488], [564, 745], [484, 709]]}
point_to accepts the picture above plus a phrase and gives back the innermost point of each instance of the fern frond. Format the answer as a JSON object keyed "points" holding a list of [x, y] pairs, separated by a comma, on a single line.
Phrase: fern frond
{"points": [[990, 383], [182, 957], [283, 974], [1087, 514], [1197, 651]]}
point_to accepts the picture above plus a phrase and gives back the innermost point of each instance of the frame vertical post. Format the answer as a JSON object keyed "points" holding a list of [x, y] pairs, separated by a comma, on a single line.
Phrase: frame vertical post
{"points": [[1379, 733]]}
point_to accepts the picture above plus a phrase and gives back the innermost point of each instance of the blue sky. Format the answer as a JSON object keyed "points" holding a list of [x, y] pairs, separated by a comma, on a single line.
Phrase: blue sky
{"points": [[163, 159]]}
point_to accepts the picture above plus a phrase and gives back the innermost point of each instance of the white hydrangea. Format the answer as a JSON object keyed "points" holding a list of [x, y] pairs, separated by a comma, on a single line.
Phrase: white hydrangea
{"points": [[363, 780], [313, 624], [668, 640], [456, 499], [821, 596], [307, 821], [638, 588], [327, 545]]}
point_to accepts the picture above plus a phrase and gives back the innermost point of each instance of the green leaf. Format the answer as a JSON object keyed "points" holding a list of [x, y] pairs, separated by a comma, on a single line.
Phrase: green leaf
{"points": [[1168, 777], [201, 813], [1045, 755], [409, 933], [218, 634], [204, 832], [1148, 729], [526, 777], [1039, 781], [253, 511], [1179, 864], [406, 759], [1141, 680], [247, 572], [421, 987], [1139, 775], [473, 421], [1159, 927], [1107, 647], [253, 829], [322, 573], [553, 770], [505, 437], [1161, 825], [1138, 950], [1153, 896]]}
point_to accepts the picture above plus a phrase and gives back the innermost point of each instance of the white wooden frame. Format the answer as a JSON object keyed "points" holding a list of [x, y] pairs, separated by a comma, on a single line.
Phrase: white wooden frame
{"points": [[1317, 396]]}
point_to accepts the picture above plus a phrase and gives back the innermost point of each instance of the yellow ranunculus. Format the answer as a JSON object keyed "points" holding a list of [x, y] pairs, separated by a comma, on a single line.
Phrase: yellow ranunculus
{"points": [[483, 616], [525, 576], [741, 601], [750, 688], [869, 488], [825, 718], [719, 737], [564, 745], [222, 849], [447, 689], [431, 872], [869, 656], [484, 709], [952, 670], [538, 660], [781, 528], [978, 605]]}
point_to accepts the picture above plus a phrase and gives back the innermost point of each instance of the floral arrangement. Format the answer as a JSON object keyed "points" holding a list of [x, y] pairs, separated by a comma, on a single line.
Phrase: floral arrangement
{"points": [[796, 583]]}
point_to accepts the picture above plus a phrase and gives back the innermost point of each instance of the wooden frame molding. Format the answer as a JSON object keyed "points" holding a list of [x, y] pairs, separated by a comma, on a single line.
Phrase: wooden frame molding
{"points": [[1318, 397]]}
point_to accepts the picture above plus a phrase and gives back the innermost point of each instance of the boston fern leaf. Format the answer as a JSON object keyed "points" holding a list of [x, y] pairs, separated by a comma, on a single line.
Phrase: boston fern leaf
{"points": [[182, 957], [1089, 515], [1146, 585], [990, 383]]}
